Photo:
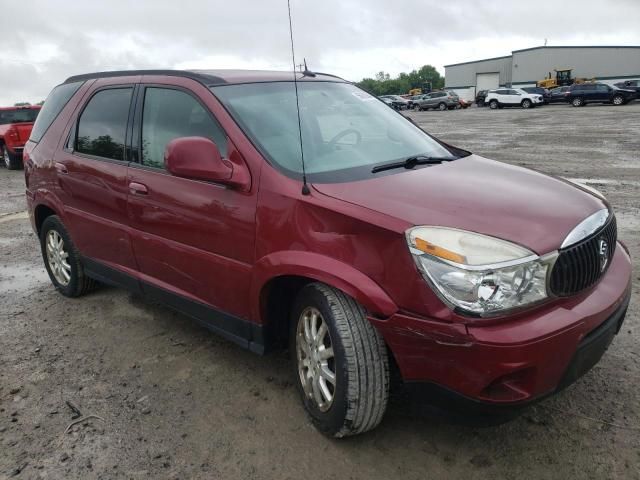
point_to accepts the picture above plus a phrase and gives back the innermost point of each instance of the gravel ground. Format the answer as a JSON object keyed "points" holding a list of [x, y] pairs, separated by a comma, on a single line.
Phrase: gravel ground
{"points": [[176, 401]]}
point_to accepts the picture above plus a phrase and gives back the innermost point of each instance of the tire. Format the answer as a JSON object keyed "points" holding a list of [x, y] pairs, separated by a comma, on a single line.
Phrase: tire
{"points": [[577, 102], [442, 107], [359, 364], [493, 105], [526, 103], [62, 261], [11, 161], [617, 100]]}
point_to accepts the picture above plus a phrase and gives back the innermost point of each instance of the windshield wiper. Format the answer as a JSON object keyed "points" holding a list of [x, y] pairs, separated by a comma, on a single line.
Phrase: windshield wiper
{"points": [[411, 162]]}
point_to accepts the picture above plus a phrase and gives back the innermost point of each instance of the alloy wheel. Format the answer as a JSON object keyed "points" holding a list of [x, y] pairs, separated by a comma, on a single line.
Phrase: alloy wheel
{"points": [[617, 100], [316, 360], [57, 257], [5, 157]]}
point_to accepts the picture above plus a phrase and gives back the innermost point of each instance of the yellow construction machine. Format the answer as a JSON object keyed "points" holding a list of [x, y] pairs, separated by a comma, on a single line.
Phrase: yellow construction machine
{"points": [[562, 78]]}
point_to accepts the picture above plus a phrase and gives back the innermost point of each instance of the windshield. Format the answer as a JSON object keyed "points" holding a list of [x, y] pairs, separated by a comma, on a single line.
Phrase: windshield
{"points": [[18, 115], [345, 131]]}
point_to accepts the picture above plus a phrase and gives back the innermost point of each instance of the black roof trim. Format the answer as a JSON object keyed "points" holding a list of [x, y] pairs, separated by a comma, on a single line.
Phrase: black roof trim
{"points": [[200, 77], [477, 61]]}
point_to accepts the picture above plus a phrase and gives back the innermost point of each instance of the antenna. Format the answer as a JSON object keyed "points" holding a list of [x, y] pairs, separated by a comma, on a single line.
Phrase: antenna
{"points": [[305, 187]]}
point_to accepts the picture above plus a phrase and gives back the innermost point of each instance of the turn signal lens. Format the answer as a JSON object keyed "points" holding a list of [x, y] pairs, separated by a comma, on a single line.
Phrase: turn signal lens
{"points": [[440, 252]]}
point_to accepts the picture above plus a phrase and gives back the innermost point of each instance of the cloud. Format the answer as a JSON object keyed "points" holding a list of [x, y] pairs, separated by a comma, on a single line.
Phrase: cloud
{"points": [[350, 38]]}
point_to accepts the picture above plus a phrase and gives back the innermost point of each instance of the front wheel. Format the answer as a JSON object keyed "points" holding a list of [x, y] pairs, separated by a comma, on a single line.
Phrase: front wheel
{"points": [[340, 362], [577, 102], [62, 259], [12, 162], [442, 107], [526, 103], [618, 100], [493, 104]]}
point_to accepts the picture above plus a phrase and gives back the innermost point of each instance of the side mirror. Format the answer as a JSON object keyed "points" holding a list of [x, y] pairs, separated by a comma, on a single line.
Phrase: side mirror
{"points": [[198, 158]]}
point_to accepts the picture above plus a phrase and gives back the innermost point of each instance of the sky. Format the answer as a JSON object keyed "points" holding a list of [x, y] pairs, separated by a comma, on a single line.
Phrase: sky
{"points": [[45, 41]]}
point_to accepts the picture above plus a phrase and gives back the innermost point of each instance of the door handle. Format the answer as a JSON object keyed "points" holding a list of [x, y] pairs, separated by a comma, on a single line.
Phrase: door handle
{"points": [[138, 188], [61, 168]]}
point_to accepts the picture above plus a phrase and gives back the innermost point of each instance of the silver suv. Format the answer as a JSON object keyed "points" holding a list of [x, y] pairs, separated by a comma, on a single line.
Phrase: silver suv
{"points": [[439, 100]]}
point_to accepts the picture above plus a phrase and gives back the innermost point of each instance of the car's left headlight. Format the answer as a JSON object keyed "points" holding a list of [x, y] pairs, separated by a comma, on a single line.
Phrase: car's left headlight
{"points": [[476, 273]]}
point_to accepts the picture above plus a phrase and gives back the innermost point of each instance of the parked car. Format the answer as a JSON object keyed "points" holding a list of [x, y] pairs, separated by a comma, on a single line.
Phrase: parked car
{"points": [[15, 128], [581, 94], [437, 100], [629, 85], [464, 103], [412, 99], [397, 102], [559, 95], [480, 96], [540, 91], [512, 97], [487, 283], [389, 102]]}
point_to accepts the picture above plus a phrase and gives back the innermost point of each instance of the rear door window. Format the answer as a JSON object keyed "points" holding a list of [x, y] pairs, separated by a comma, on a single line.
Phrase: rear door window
{"points": [[169, 114], [103, 123]]}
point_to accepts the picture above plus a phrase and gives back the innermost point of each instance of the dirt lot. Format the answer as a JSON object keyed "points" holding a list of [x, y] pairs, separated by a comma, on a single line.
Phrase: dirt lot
{"points": [[179, 402]]}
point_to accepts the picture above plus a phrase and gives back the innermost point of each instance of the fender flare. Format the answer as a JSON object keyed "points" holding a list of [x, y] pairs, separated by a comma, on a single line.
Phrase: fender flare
{"points": [[47, 199], [324, 269]]}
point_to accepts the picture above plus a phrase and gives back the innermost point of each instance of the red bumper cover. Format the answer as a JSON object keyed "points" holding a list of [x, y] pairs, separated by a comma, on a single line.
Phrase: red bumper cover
{"points": [[519, 359]]}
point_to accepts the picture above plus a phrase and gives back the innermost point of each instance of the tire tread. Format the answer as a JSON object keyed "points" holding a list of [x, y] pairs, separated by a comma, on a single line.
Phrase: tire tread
{"points": [[367, 363]]}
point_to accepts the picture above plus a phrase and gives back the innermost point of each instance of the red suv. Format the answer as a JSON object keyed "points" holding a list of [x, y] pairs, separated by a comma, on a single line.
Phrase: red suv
{"points": [[484, 282], [15, 128]]}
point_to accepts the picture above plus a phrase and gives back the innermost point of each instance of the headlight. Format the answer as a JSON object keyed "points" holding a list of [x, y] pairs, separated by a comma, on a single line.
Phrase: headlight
{"points": [[479, 274]]}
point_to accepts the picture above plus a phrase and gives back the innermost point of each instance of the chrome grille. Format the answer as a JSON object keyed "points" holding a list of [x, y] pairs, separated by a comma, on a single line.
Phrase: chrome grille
{"points": [[581, 265]]}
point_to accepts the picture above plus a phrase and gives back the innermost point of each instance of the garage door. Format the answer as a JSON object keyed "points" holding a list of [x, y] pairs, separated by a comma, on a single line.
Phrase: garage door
{"points": [[487, 81]]}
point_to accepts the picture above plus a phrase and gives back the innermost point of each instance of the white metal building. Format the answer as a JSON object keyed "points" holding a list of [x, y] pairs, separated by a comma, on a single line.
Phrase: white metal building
{"points": [[524, 67]]}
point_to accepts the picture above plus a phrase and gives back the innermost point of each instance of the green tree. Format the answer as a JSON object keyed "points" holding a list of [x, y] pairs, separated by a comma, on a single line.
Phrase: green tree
{"points": [[383, 84]]}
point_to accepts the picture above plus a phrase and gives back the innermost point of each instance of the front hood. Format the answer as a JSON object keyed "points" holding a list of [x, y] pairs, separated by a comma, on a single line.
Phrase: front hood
{"points": [[479, 195]]}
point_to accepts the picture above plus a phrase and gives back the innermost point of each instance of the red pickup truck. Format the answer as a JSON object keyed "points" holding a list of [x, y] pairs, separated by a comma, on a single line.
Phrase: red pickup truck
{"points": [[15, 127]]}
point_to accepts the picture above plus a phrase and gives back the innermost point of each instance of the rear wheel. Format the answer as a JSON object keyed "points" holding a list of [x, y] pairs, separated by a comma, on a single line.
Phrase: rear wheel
{"points": [[442, 107], [526, 103], [11, 161], [62, 260], [618, 100], [493, 104], [577, 102], [340, 362]]}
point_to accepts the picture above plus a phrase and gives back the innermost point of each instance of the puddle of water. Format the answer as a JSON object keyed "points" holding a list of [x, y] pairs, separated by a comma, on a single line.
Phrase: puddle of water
{"points": [[22, 277], [603, 181], [6, 217]]}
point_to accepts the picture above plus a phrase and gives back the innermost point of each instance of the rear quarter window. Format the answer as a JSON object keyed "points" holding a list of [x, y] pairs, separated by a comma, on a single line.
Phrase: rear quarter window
{"points": [[54, 104]]}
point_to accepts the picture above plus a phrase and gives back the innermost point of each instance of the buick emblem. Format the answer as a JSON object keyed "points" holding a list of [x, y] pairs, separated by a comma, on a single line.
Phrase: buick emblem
{"points": [[603, 252]]}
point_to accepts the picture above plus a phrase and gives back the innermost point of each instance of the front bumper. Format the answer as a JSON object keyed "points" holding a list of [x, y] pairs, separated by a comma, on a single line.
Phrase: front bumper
{"points": [[520, 359]]}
